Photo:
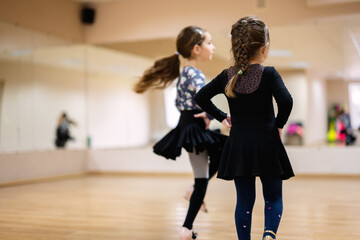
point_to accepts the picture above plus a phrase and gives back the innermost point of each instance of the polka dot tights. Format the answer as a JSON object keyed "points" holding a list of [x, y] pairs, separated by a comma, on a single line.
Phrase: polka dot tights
{"points": [[245, 191]]}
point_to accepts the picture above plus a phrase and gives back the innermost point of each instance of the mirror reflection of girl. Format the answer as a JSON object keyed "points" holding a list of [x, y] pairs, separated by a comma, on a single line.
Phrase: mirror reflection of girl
{"points": [[62, 130], [254, 146], [194, 44]]}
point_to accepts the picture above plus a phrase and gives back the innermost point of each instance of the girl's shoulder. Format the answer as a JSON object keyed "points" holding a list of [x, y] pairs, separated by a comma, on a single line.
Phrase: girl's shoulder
{"points": [[270, 69], [222, 77], [192, 72], [191, 69], [271, 72]]}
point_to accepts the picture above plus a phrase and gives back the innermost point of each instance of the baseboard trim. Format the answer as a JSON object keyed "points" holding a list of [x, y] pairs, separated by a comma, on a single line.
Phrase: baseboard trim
{"points": [[139, 174], [185, 174], [146, 174], [41, 180], [327, 175]]}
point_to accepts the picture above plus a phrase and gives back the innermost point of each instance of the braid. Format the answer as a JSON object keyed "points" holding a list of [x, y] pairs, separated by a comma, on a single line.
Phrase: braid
{"points": [[247, 36], [244, 48], [240, 42]]}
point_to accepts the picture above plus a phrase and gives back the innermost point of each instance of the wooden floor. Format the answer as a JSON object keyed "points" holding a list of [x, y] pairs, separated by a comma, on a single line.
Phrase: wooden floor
{"points": [[151, 207]]}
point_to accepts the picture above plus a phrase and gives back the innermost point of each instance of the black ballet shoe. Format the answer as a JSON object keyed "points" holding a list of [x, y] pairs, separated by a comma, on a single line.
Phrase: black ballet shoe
{"points": [[194, 235]]}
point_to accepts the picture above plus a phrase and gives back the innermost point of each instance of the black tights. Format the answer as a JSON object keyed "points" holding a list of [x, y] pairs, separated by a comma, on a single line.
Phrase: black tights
{"points": [[198, 195], [245, 190], [196, 200], [215, 156]]}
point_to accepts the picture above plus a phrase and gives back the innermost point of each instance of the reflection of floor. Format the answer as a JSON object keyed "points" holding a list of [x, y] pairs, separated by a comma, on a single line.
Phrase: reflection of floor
{"points": [[151, 207]]}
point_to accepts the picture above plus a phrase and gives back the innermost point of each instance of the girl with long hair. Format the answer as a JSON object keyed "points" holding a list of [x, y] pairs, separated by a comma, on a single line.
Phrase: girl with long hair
{"points": [[192, 133]]}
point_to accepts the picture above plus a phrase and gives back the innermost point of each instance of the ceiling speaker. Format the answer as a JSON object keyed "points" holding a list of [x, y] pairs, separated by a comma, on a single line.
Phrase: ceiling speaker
{"points": [[88, 15]]}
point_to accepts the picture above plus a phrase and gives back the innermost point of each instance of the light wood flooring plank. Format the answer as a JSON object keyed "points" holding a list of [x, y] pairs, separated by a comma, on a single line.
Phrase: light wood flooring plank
{"points": [[152, 207]]}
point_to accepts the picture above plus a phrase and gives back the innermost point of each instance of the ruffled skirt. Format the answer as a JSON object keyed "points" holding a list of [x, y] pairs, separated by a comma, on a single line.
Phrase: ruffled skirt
{"points": [[191, 135], [254, 150]]}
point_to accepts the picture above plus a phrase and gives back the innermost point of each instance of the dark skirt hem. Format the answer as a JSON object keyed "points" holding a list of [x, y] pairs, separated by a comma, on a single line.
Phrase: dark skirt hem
{"points": [[191, 135], [230, 178], [254, 151]]}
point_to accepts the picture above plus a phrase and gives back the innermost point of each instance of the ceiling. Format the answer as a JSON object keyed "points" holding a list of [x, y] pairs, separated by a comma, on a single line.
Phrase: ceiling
{"points": [[330, 45], [326, 45]]}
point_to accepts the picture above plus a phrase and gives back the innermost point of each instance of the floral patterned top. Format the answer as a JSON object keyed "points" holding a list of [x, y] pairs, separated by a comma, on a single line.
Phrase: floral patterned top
{"points": [[190, 81]]}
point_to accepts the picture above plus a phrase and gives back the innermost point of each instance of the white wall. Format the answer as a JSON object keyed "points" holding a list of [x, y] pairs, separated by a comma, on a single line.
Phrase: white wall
{"points": [[27, 167], [18, 167], [118, 117], [296, 83], [141, 159], [316, 120], [100, 99], [354, 100], [341, 160], [337, 93], [32, 101], [304, 160]]}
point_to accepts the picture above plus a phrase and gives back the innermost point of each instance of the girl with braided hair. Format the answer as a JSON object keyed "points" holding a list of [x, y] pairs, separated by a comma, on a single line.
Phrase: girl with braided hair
{"points": [[254, 146], [191, 133]]}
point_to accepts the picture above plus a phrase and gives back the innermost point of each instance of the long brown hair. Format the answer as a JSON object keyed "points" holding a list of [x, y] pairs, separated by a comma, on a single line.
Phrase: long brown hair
{"points": [[248, 35], [166, 70]]}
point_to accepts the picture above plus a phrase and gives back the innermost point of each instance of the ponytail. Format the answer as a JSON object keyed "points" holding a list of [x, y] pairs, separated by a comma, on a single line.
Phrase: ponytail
{"points": [[166, 70], [160, 75]]}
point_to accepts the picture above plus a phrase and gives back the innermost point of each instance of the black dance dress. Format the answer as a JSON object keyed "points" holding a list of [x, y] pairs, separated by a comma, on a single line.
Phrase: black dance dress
{"points": [[254, 147], [190, 132], [191, 135]]}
